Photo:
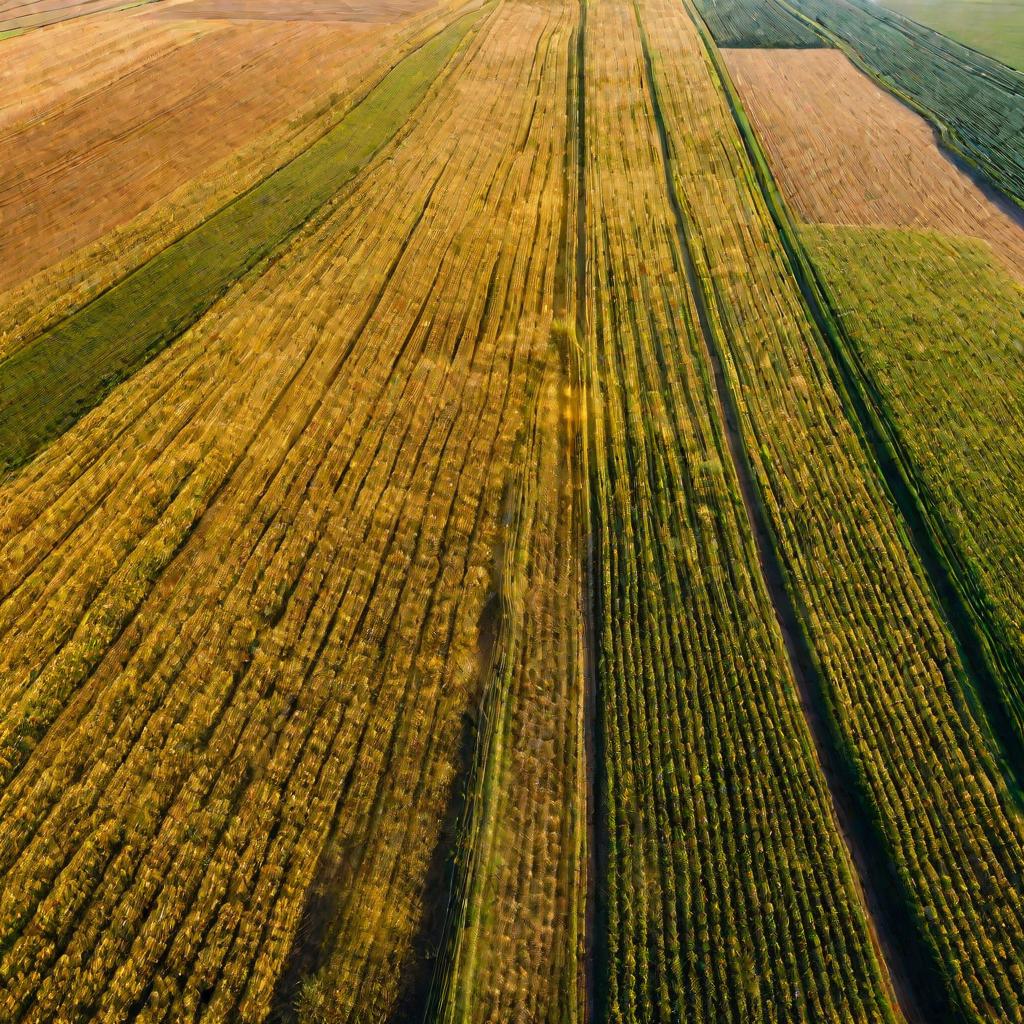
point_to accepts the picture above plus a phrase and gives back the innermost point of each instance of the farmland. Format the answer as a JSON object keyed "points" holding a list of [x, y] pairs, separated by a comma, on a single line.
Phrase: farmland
{"points": [[995, 27], [743, 23], [863, 158], [928, 288], [974, 102], [509, 511]]}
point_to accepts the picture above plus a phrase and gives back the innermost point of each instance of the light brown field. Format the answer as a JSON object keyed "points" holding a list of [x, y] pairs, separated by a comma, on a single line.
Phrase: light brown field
{"points": [[39, 13], [127, 133], [846, 152], [78, 57], [301, 10]]}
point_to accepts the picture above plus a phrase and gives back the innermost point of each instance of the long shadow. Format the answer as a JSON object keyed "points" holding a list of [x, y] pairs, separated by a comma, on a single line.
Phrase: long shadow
{"points": [[431, 938]]}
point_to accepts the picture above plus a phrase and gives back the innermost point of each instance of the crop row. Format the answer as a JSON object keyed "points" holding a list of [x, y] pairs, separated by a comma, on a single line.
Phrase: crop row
{"points": [[98, 71], [241, 598], [50, 382], [976, 102], [756, 23], [517, 927], [833, 154], [935, 323], [893, 681], [729, 892]]}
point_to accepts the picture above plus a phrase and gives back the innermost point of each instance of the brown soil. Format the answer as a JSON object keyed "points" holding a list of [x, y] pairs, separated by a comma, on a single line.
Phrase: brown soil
{"points": [[846, 152], [39, 13]]}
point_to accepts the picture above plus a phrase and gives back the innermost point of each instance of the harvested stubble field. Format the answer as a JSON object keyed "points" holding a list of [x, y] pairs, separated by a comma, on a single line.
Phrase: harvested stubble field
{"points": [[445, 573], [101, 149], [975, 102], [846, 152], [18, 16], [375, 11]]}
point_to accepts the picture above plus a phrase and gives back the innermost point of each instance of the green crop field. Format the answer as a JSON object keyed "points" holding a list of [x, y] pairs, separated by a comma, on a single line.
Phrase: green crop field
{"points": [[743, 23], [510, 511], [976, 103], [995, 27], [937, 329]]}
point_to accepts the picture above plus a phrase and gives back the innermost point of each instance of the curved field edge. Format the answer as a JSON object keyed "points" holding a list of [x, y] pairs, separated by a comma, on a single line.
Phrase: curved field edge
{"points": [[833, 136], [991, 167], [47, 385], [788, 434], [982, 679]]}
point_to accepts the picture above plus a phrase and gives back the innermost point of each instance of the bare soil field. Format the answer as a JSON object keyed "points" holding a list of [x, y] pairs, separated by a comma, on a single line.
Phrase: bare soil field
{"points": [[97, 157], [846, 152]]}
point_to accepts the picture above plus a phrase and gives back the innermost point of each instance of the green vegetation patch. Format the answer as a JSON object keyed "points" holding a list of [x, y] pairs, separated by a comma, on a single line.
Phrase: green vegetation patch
{"points": [[976, 102], [49, 384], [938, 328], [745, 24], [995, 27]]}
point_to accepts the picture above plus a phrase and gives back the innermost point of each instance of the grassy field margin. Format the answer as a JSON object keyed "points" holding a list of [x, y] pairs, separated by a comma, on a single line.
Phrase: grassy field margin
{"points": [[46, 386]]}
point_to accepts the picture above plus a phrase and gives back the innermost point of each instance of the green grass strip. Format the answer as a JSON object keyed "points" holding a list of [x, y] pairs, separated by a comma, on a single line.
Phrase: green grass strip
{"points": [[49, 384], [10, 33]]}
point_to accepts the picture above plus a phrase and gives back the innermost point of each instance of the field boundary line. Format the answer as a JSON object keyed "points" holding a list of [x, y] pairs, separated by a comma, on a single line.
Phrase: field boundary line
{"points": [[594, 926], [948, 139], [105, 341], [352, 102]]}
